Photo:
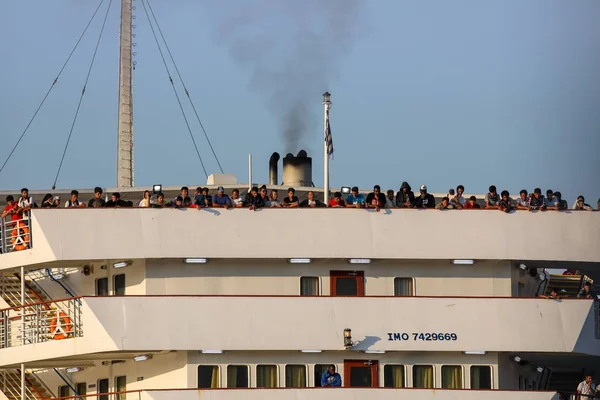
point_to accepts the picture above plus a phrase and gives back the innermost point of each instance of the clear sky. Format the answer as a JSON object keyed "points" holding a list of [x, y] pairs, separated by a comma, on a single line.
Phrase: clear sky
{"points": [[442, 93]]}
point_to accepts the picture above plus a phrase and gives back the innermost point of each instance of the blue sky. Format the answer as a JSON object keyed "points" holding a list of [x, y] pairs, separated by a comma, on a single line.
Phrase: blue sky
{"points": [[442, 93]]}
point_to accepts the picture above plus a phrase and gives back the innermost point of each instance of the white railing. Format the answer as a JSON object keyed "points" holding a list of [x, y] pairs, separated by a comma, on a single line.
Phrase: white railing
{"points": [[10, 385], [40, 322], [15, 235]]}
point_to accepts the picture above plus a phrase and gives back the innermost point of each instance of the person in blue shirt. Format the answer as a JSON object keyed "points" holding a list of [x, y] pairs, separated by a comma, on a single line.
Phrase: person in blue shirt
{"points": [[220, 199], [331, 378], [355, 199]]}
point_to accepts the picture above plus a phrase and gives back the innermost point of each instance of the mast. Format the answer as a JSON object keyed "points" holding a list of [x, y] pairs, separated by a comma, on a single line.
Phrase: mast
{"points": [[125, 129]]}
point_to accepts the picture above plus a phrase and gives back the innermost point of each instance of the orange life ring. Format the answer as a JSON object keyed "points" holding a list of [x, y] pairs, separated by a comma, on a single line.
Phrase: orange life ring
{"points": [[60, 332]]}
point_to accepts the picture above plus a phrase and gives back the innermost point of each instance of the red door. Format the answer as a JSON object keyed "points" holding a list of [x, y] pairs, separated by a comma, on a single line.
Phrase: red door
{"points": [[347, 283], [361, 373]]}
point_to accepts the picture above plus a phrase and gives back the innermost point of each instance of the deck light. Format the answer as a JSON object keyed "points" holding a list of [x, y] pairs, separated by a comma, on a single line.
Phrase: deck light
{"points": [[311, 351], [374, 351], [517, 358], [156, 189], [74, 369], [360, 261], [212, 351], [326, 98], [142, 357], [463, 262], [195, 260], [475, 352], [523, 266], [540, 369], [348, 338], [299, 260], [57, 277], [122, 264], [346, 190]]}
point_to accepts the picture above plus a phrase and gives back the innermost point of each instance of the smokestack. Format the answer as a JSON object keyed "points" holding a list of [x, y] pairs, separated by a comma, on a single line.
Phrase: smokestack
{"points": [[297, 171], [273, 179]]}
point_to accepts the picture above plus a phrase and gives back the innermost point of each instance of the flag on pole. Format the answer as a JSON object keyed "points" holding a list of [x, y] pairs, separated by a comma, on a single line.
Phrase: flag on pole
{"points": [[328, 138]]}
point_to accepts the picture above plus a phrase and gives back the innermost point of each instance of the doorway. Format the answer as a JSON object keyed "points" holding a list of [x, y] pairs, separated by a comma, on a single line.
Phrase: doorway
{"points": [[347, 283], [361, 373]]}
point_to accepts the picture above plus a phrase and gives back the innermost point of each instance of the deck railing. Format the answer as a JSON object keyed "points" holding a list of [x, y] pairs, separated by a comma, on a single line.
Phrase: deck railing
{"points": [[15, 235], [40, 322]]}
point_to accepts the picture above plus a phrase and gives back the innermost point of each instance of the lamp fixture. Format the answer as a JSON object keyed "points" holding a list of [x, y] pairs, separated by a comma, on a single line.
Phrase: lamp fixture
{"points": [[463, 262], [195, 260], [212, 351], [299, 260], [374, 351], [57, 277], [326, 98], [359, 261], [346, 189], [122, 264], [156, 189], [540, 369], [73, 370], [523, 266], [142, 357], [517, 358], [348, 343], [475, 352], [311, 351]]}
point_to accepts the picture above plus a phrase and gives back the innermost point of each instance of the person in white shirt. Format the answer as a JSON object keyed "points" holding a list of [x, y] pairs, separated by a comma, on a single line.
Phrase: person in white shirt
{"points": [[236, 200], [145, 202], [586, 388], [25, 203], [74, 200], [522, 201]]}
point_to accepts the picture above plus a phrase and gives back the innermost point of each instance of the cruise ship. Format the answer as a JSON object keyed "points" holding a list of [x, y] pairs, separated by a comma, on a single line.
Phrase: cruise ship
{"points": [[231, 304]]}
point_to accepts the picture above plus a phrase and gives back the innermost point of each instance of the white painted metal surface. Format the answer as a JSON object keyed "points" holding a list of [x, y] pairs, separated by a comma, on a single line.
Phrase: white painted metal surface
{"points": [[125, 128]]}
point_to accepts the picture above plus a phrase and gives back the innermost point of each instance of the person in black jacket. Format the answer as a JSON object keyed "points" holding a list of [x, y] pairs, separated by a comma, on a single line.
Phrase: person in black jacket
{"points": [[405, 198], [425, 200], [253, 200], [116, 201], [376, 199], [311, 201]]}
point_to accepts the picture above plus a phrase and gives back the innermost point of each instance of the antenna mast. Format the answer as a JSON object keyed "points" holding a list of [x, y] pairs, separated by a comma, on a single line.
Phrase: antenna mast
{"points": [[125, 133]]}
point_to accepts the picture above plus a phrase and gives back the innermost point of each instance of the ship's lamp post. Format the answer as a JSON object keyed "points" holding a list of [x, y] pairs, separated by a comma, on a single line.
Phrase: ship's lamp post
{"points": [[348, 338], [326, 106]]}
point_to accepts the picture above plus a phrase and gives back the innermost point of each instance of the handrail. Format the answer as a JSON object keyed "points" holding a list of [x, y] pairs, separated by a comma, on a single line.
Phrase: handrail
{"points": [[42, 303], [567, 210]]}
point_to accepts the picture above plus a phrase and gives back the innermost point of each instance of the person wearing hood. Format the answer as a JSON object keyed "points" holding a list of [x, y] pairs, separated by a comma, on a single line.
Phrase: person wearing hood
{"points": [[425, 200], [405, 198]]}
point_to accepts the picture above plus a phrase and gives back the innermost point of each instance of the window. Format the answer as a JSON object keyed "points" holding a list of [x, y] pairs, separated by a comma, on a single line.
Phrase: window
{"points": [[393, 376], [423, 376], [266, 376], [237, 376], [481, 377], [403, 287], [103, 388], [119, 284], [120, 386], [208, 376], [309, 286], [64, 391], [452, 377], [102, 287], [347, 283], [81, 388], [295, 376], [320, 369]]}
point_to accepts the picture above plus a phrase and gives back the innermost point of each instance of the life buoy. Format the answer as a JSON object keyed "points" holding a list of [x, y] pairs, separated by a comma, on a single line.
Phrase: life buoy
{"points": [[60, 326]]}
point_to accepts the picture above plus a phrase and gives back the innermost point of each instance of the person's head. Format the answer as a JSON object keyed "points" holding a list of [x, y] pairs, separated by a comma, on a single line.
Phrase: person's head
{"points": [[460, 189], [331, 369], [504, 195], [549, 194], [24, 193], [472, 200], [537, 192], [598, 204], [254, 191], [204, 191], [337, 196], [116, 196], [98, 192], [553, 292], [10, 200], [311, 195], [423, 190], [354, 191], [74, 195], [376, 189], [589, 379], [523, 194], [558, 195], [291, 192], [587, 286], [220, 190], [390, 194], [160, 197], [146, 194], [187, 201], [263, 191], [235, 194], [179, 201], [56, 200], [184, 191], [580, 200], [198, 190], [274, 194], [47, 197], [492, 190], [451, 192], [445, 201]]}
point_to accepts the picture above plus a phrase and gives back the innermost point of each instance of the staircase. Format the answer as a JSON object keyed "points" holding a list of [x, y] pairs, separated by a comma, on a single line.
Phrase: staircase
{"points": [[565, 285], [10, 386], [10, 291]]}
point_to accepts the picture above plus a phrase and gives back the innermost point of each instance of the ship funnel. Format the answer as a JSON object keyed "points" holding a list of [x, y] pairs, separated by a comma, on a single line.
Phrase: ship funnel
{"points": [[273, 178], [297, 170]]}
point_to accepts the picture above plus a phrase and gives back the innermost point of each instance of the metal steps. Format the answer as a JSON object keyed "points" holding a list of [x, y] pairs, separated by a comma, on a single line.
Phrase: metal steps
{"points": [[10, 385]]}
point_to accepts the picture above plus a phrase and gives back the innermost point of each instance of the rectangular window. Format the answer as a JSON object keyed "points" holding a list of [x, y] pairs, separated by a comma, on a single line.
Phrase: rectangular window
{"points": [[423, 376], [120, 386], [119, 285], [309, 286], [295, 376], [266, 376], [452, 377], [64, 391], [208, 376], [347, 283], [81, 388], [481, 377], [393, 376], [102, 287], [103, 389], [320, 369], [237, 376], [403, 287]]}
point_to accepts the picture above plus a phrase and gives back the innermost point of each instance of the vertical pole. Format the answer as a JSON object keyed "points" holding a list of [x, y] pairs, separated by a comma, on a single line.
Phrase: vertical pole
{"points": [[249, 172], [22, 381], [326, 105], [125, 129], [23, 304]]}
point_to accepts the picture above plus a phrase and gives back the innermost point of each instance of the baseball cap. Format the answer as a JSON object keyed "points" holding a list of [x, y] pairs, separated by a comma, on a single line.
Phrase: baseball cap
{"points": [[423, 188], [56, 198], [220, 189]]}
